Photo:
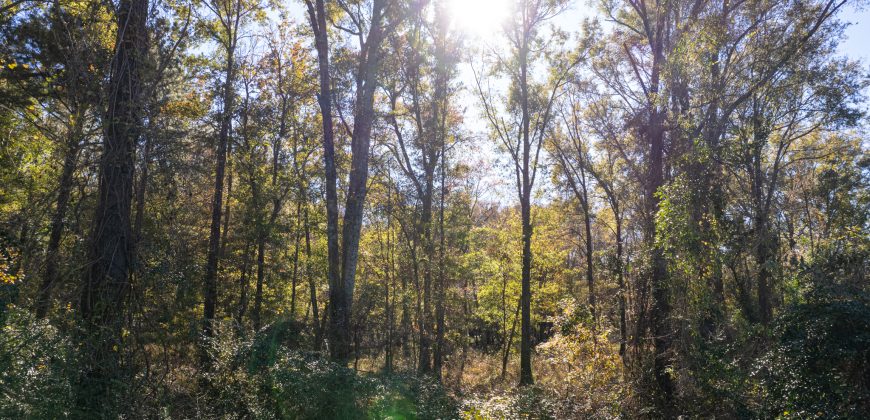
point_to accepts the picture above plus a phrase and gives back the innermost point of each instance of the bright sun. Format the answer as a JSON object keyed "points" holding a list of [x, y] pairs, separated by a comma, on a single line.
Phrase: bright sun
{"points": [[480, 18]]}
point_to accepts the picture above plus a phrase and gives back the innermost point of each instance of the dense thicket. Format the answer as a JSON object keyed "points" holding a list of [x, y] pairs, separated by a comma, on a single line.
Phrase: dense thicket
{"points": [[355, 209]]}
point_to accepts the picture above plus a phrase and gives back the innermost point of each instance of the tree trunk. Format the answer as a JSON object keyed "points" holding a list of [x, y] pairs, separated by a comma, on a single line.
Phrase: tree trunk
{"points": [[141, 193], [317, 19], [258, 293], [106, 281], [660, 313], [243, 288], [763, 252], [525, 204], [510, 340], [590, 280], [763, 257], [439, 116], [210, 292], [225, 231], [525, 299], [71, 152], [295, 278], [311, 285], [389, 308], [364, 115], [623, 330], [425, 361], [442, 284]]}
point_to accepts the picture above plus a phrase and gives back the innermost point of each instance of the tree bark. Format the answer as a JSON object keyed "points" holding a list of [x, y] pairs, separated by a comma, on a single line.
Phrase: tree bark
{"points": [[525, 204], [210, 292], [342, 277], [317, 19], [295, 278], [226, 216], [258, 293], [442, 283], [71, 151], [623, 330], [590, 280], [243, 288], [357, 184], [312, 288], [660, 313], [106, 281]]}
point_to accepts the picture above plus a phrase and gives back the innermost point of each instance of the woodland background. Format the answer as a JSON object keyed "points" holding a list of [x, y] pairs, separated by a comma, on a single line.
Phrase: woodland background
{"points": [[355, 209]]}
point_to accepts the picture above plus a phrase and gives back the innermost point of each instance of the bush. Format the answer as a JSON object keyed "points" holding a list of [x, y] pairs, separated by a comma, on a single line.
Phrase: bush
{"points": [[820, 364], [530, 402], [35, 359], [266, 378]]}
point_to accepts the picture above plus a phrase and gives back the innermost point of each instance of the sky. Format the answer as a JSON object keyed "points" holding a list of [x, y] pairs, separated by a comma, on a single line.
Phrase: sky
{"points": [[497, 183], [857, 43]]}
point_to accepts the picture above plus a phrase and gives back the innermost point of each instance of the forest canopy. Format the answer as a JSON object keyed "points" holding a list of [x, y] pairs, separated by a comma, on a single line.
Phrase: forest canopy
{"points": [[433, 209]]}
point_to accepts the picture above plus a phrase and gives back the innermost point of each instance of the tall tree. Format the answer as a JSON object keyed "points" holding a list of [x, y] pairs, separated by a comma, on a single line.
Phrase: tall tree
{"points": [[419, 104], [370, 29], [317, 19], [529, 106], [575, 164], [230, 16], [106, 281]]}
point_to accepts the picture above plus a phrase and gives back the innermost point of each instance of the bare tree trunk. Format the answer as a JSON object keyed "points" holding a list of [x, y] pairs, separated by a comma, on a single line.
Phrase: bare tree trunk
{"points": [[439, 116], [425, 361], [258, 293], [225, 231], [141, 193], [294, 282], [388, 283], [295, 278], [526, 298], [661, 309], [763, 252], [264, 230], [763, 258]]}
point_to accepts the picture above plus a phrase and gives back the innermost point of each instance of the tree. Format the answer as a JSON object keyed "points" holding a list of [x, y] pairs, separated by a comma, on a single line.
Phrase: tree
{"points": [[419, 108], [521, 127], [230, 17], [371, 31], [575, 166], [106, 282]]}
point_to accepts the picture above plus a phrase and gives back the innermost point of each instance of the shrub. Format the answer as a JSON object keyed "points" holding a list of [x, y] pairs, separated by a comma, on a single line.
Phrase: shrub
{"points": [[35, 359], [820, 363], [266, 378]]}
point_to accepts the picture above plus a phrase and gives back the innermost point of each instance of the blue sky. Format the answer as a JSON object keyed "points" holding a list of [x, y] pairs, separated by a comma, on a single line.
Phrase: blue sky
{"points": [[496, 182], [857, 43]]}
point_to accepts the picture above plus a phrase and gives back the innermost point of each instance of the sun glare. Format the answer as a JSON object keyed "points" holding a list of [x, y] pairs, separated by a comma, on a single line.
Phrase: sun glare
{"points": [[481, 19]]}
